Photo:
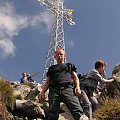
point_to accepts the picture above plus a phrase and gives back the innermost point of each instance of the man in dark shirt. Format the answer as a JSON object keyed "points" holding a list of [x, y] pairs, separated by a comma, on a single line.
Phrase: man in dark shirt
{"points": [[58, 81]]}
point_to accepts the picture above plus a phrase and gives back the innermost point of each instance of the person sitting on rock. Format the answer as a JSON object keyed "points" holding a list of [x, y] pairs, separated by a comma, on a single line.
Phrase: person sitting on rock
{"points": [[29, 77], [24, 78]]}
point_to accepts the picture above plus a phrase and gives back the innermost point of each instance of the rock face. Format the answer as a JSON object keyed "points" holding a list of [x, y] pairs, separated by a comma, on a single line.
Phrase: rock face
{"points": [[116, 72], [27, 103], [113, 89]]}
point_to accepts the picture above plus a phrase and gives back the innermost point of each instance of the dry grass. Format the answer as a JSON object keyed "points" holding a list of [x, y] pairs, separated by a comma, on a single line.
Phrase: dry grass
{"points": [[110, 110]]}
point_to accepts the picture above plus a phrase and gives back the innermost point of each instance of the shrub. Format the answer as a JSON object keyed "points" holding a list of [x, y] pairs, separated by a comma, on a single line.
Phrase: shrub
{"points": [[6, 93], [110, 110]]}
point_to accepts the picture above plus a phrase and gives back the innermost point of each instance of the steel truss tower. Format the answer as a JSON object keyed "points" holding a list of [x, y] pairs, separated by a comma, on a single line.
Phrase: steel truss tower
{"points": [[57, 36]]}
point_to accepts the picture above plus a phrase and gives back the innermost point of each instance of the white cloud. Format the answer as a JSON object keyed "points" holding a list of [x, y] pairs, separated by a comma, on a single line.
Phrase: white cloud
{"points": [[12, 23], [45, 18], [7, 47]]}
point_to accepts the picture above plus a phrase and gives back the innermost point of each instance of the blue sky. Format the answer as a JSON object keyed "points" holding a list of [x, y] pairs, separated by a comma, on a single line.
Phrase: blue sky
{"points": [[25, 29]]}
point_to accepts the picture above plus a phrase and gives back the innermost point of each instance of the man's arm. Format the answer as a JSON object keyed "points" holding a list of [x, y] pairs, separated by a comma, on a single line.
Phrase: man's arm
{"points": [[111, 79], [45, 87], [77, 83]]}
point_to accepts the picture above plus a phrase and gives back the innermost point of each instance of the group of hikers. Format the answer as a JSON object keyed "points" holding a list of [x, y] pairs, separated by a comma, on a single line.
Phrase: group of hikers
{"points": [[27, 77], [76, 91]]}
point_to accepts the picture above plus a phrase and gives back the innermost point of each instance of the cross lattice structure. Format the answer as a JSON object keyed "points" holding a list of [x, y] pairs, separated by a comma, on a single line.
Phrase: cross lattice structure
{"points": [[57, 36]]}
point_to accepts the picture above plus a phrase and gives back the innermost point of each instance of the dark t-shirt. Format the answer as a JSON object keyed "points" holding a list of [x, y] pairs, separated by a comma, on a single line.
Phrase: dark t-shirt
{"points": [[60, 73]]}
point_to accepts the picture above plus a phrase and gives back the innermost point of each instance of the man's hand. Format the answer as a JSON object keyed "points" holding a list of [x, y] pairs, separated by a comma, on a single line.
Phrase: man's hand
{"points": [[77, 91], [41, 96], [114, 77]]}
